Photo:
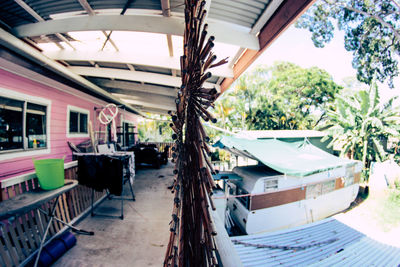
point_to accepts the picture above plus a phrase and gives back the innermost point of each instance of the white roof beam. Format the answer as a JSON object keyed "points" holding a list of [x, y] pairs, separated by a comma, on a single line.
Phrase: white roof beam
{"points": [[134, 58], [166, 11], [145, 103], [158, 99], [226, 33], [145, 88], [139, 76]]}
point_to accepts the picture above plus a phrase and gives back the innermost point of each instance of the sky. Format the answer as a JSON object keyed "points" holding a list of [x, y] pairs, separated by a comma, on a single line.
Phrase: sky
{"points": [[295, 45]]}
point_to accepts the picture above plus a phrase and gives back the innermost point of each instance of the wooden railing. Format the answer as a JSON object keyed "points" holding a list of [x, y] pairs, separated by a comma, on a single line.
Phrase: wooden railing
{"points": [[20, 236]]}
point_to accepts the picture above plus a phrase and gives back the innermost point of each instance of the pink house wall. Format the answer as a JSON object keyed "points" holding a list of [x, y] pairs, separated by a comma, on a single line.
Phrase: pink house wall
{"points": [[58, 120]]}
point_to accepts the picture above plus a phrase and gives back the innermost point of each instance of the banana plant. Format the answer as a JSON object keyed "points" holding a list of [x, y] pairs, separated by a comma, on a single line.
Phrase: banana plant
{"points": [[360, 122]]}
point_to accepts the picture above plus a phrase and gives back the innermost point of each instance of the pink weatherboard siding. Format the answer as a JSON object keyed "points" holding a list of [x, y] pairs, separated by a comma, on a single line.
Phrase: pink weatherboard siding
{"points": [[58, 120]]}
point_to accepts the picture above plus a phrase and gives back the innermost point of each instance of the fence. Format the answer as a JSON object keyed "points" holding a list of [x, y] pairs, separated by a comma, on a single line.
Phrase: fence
{"points": [[20, 236]]}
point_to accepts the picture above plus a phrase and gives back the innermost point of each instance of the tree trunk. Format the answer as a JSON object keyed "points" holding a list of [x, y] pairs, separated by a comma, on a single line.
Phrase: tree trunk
{"points": [[364, 157]]}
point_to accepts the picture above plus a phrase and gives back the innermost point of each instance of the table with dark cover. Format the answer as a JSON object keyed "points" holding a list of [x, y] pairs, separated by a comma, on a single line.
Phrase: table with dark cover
{"points": [[106, 171]]}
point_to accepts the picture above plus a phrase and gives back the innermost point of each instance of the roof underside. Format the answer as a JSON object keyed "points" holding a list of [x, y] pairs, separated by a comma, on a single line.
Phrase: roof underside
{"points": [[129, 51]]}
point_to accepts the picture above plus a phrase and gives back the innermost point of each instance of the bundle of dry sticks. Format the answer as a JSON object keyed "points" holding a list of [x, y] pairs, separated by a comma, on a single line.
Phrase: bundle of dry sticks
{"points": [[192, 230]]}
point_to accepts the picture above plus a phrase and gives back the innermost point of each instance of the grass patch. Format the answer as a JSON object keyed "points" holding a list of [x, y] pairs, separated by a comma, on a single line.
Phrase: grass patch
{"points": [[388, 213]]}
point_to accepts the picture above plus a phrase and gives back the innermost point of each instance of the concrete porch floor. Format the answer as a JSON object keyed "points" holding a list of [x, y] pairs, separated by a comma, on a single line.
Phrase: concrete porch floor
{"points": [[138, 240]]}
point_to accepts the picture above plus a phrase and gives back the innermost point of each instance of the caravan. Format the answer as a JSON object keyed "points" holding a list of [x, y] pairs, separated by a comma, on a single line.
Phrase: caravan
{"points": [[293, 184]]}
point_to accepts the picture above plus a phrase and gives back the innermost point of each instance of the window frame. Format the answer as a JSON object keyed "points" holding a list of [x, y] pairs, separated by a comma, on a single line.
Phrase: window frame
{"points": [[25, 151], [77, 110], [123, 130]]}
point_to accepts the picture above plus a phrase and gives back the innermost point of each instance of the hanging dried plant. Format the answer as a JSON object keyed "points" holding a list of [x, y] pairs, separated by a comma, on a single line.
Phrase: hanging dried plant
{"points": [[192, 230]]}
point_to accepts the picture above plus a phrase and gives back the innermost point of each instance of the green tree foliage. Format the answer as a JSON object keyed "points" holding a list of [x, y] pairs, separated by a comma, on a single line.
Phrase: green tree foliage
{"points": [[233, 108], [372, 33], [359, 123], [284, 96], [155, 130], [291, 97]]}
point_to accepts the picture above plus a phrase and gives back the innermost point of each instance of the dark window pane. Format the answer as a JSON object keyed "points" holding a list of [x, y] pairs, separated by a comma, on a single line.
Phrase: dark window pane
{"points": [[73, 122], [36, 125], [10, 124], [83, 123], [129, 136]]}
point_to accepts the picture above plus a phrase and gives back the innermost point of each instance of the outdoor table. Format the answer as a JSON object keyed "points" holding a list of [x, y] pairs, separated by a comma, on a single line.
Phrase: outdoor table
{"points": [[30, 200]]}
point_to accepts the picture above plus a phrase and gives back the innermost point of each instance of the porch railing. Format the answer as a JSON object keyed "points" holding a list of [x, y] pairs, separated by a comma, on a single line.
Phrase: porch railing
{"points": [[20, 236]]}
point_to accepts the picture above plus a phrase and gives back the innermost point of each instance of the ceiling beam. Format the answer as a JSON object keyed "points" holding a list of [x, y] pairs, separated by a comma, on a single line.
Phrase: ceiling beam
{"points": [[145, 103], [134, 87], [154, 110], [138, 76], [148, 97], [286, 14], [166, 8], [225, 33], [135, 58], [11, 42], [170, 45], [166, 11]]}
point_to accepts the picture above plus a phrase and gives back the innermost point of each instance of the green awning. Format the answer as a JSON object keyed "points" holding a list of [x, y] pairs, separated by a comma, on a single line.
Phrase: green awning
{"points": [[298, 158]]}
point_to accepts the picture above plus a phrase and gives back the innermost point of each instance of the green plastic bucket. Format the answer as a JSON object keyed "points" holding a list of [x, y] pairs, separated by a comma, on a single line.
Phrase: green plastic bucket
{"points": [[50, 173]]}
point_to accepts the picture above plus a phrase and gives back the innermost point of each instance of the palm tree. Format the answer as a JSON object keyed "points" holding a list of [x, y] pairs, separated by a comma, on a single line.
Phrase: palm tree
{"points": [[223, 109], [359, 123]]}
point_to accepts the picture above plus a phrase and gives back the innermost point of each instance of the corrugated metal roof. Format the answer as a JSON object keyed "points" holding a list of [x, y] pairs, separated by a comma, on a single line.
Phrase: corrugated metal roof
{"points": [[324, 243], [45, 8], [244, 13], [13, 15], [240, 12]]}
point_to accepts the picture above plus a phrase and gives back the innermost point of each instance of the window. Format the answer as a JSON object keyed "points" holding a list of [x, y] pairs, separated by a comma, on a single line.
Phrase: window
{"points": [[22, 125], [328, 186], [77, 122], [129, 134], [270, 184], [316, 190]]}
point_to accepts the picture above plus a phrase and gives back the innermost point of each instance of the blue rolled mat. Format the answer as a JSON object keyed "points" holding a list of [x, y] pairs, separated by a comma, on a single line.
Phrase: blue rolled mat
{"points": [[56, 248], [68, 239], [45, 259]]}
